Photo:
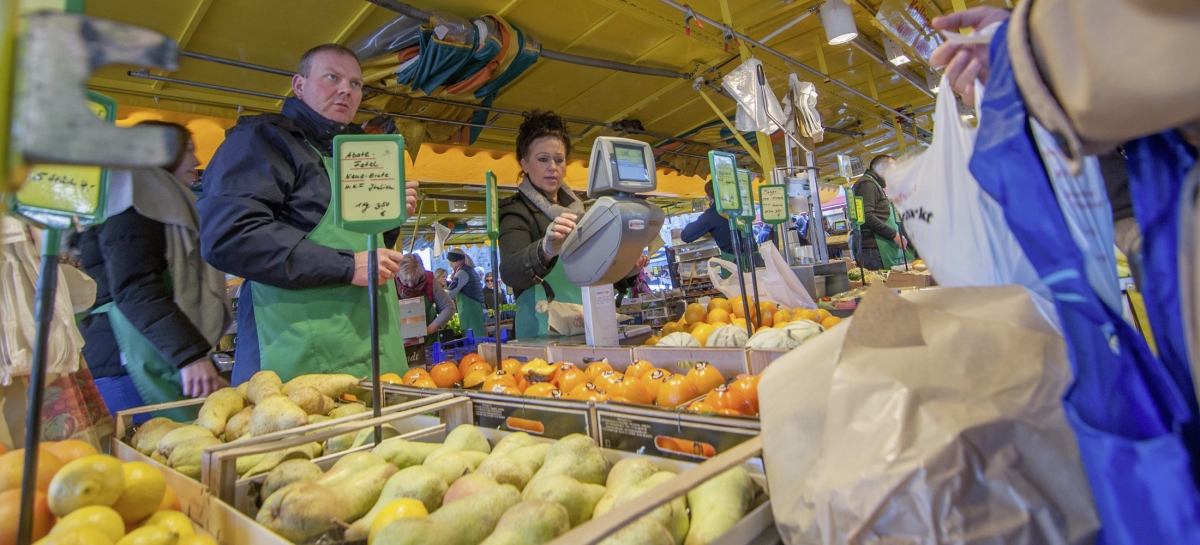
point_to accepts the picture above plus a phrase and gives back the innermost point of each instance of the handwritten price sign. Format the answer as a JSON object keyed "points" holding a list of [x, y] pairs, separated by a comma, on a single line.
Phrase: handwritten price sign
{"points": [[725, 182], [773, 200], [369, 191]]}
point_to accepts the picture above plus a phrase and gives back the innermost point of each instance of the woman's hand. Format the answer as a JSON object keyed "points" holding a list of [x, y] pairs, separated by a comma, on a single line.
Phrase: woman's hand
{"points": [[642, 261], [410, 197], [556, 233], [966, 63], [200, 378]]}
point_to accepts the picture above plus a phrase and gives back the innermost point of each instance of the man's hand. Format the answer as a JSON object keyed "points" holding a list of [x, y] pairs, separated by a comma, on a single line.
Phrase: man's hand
{"points": [[200, 378], [900, 241], [410, 197], [965, 62], [431, 329], [389, 264]]}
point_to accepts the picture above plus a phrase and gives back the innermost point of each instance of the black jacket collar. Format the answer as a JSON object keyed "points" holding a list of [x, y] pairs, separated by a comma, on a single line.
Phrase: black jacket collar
{"points": [[317, 129]]}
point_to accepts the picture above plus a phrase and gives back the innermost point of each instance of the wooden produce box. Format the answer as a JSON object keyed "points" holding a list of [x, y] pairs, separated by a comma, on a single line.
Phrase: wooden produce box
{"points": [[521, 353], [760, 359], [581, 356], [730, 361], [395, 394], [193, 495], [540, 417], [670, 434], [898, 279]]}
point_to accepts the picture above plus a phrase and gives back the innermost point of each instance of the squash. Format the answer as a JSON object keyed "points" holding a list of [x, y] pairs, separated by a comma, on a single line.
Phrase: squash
{"points": [[679, 339], [728, 336], [785, 338], [803, 330]]}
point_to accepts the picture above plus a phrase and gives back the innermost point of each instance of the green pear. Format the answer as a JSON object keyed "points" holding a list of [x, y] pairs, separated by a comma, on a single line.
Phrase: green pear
{"points": [[347, 410], [178, 436], [467, 486], [367, 435], [288, 472], [624, 474], [266, 462], [517, 467], [218, 407], [453, 465], [512, 442], [465, 522], [311, 400], [318, 418], [575, 456], [415, 482], [579, 498], [348, 466], [262, 385], [643, 531], [304, 510], [673, 516], [331, 385], [402, 453], [718, 504], [463, 438], [186, 456], [145, 439], [243, 388], [276, 413], [238, 424], [531, 522]]}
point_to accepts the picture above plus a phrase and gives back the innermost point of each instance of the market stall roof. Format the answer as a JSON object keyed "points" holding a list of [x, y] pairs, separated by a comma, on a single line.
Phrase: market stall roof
{"points": [[646, 33]]}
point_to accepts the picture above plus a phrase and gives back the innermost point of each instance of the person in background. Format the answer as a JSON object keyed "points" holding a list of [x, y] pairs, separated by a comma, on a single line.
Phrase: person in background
{"points": [[412, 280], [489, 294], [439, 275], [713, 224], [265, 217], [160, 308], [467, 291], [881, 240]]}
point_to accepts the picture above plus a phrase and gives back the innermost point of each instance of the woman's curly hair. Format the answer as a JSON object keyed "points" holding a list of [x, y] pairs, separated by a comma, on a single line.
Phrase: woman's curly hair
{"points": [[538, 124]]}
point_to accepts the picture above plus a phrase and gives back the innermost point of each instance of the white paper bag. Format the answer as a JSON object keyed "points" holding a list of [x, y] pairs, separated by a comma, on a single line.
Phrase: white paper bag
{"points": [[776, 281], [931, 418]]}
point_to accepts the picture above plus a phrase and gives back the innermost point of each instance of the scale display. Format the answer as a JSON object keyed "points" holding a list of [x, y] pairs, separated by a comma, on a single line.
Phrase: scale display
{"points": [[631, 164], [725, 183], [369, 191]]}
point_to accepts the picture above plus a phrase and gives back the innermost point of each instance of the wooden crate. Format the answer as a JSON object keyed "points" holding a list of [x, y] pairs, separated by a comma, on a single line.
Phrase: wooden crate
{"points": [[618, 358], [730, 361], [193, 495], [518, 352], [760, 359], [670, 434], [540, 417]]}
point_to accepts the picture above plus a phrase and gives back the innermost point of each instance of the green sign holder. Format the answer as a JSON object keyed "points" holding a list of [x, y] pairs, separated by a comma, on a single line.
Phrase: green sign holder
{"points": [[491, 190], [726, 197], [745, 180], [369, 198], [772, 199]]}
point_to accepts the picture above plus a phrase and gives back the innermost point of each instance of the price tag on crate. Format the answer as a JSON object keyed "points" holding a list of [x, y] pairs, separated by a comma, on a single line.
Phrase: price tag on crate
{"points": [[368, 194]]}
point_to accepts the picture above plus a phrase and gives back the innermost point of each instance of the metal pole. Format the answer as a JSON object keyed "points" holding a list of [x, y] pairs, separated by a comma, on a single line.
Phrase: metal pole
{"points": [[373, 303], [818, 240], [737, 252], [750, 245], [496, 298], [47, 286]]}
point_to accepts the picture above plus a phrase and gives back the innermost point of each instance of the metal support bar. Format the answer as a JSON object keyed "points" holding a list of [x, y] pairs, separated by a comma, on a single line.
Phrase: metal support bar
{"points": [[736, 134]]}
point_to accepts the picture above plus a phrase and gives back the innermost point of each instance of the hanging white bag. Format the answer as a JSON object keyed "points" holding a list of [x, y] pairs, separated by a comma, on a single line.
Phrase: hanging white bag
{"points": [[959, 230], [776, 281]]}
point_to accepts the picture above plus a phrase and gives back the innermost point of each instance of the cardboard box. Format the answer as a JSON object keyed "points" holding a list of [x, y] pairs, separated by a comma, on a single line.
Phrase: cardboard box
{"points": [[670, 434], [760, 359], [898, 280], [412, 318]]}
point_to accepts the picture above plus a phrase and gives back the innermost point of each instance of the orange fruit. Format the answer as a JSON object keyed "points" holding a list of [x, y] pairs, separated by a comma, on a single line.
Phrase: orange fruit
{"points": [[12, 469], [748, 387], [559, 367], [424, 382], [467, 361], [700, 407], [541, 389], [654, 380], [499, 377], [729, 412], [170, 501], [652, 341], [767, 308], [716, 303], [781, 317], [474, 379], [511, 366], [631, 389], [10, 515], [639, 368], [391, 378], [718, 315], [705, 377], [830, 322], [675, 391], [722, 397], [412, 375], [807, 314], [569, 378], [69, 450], [595, 368], [701, 333], [477, 366], [580, 390], [503, 388], [3, 449], [767, 319], [445, 374], [695, 313], [606, 380], [522, 385], [825, 314], [671, 327]]}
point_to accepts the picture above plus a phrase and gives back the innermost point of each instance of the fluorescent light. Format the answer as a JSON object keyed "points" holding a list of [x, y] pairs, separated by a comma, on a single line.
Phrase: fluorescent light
{"points": [[895, 53], [838, 20]]}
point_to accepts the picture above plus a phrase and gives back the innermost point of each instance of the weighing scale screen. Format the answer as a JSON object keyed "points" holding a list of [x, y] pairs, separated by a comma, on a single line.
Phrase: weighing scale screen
{"points": [[631, 164]]}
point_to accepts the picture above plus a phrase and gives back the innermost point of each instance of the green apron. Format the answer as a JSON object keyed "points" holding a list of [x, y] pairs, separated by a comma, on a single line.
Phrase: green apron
{"points": [[529, 322], [470, 315], [155, 379], [888, 249], [430, 315], [327, 329]]}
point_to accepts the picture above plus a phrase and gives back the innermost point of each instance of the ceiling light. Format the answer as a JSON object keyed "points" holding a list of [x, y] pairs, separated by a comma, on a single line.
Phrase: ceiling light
{"points": [[934, 81], [895, 53], [838, 20]]}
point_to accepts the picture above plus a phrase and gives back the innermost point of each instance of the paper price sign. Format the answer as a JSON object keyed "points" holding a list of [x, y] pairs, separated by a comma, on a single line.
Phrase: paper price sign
{"points": [[368, 194], [60, 196], [745, 179], [493, 206], [725, 183], [773, 201]]}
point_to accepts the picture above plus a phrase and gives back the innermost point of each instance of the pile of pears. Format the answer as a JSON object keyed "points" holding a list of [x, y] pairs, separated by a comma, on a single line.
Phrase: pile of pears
{"points": [[522, 491], [262, 405]]}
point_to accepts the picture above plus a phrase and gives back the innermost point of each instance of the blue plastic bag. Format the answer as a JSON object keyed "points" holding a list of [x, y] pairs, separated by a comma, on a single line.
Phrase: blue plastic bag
{"points": [[1132, 416]]}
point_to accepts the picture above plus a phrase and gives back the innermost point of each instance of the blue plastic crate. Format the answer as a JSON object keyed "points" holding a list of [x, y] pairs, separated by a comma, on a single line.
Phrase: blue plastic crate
{"points": [[459, 348]]}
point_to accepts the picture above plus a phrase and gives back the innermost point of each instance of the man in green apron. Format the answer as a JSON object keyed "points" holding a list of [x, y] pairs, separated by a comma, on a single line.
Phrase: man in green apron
{"points": [[882, 244], [265, 217], [467, 291]]}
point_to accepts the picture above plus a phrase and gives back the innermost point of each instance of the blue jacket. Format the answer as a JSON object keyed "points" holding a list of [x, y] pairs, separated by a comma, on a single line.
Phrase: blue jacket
{"points": [[711, 223]]}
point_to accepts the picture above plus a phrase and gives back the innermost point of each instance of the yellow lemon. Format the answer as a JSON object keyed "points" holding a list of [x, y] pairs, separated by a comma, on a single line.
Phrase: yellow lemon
{"points": [[400, 509], [97, 517], [174, 521], [145, 487], [653, 340], [92, 480], [77, 535], [150, 535], [702, 332]]}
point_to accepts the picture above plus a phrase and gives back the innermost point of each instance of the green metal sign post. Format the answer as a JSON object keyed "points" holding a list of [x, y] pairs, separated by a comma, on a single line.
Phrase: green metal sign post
{"points": [[493, 233], [368, 198], [745, 180]]}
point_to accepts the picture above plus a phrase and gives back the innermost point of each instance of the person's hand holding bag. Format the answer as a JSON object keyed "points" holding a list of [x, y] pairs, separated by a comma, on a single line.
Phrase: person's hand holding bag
{"points": [[556, 233]]}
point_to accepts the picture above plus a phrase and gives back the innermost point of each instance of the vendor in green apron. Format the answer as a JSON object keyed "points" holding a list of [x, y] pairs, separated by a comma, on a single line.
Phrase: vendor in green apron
{"points": [[883, 247], [467, 291], [535, 222], [264, 216], [414, 281], [157, 302]]}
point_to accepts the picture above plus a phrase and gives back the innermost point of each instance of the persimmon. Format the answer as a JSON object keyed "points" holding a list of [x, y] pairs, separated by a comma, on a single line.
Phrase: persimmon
{"points": [[445, 374], [676, 390], [706, 377]]}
